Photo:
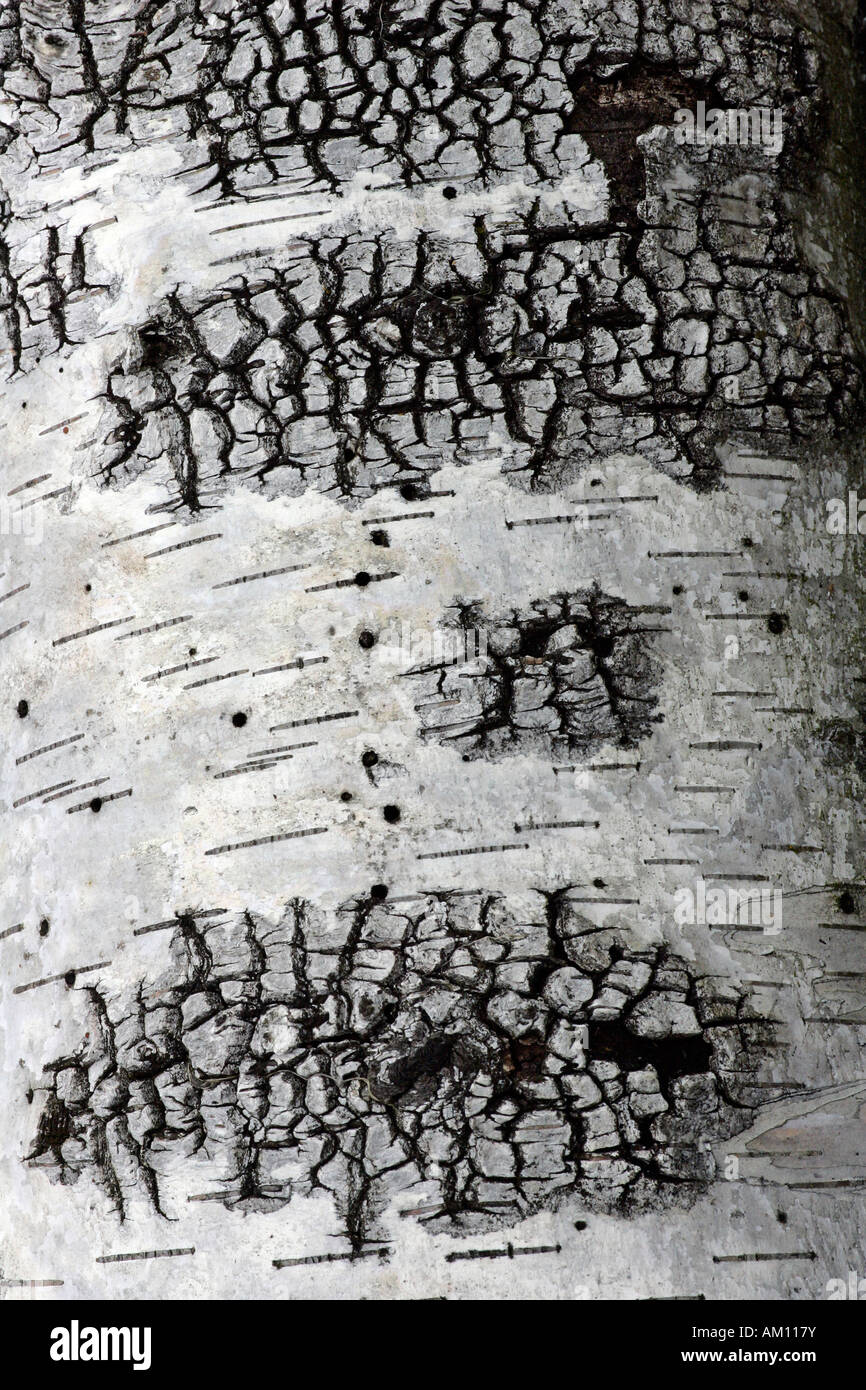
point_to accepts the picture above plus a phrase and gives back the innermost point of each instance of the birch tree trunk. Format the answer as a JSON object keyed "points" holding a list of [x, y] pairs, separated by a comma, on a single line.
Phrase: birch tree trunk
{"points": [[432, 676]]}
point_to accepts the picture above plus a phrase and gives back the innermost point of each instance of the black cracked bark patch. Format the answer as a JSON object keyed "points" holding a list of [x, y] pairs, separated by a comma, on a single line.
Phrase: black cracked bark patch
{"points": [[564, 675], [453, 1048], [370, 359], [353, 362]]}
